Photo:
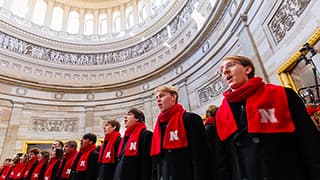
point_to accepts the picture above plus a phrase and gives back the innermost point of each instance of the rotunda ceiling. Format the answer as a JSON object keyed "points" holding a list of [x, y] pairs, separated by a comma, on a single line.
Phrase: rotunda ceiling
{"points": [[39, 55]]}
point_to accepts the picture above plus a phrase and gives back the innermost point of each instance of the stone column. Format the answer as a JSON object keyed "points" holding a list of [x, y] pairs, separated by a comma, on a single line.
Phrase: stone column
{"points": [[148, 112], [48, 16], [66, 14], [135, 11], [95, 21], [184, 94], [246, 40], [31, 5], [81, 21], [122, 17], [89, 123], [109, 16], [11, 137]]}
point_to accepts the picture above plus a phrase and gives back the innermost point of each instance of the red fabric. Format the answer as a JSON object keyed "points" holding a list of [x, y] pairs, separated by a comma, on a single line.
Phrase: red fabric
{"points": [[36, 171], [69, 158], [209, 120], [48, 174], [18, 171], [312, 110], [264, 114], [174, 117], [5, 172], [30, 164], [132, 145], [83, 161], [109, 156]]}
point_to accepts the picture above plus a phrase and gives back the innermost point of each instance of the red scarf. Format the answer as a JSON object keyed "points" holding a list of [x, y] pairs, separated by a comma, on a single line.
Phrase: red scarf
{"points": [[109, 155], [48, 173], [18, 171], [30, 164], [83, 161], [36, 172], [5, 172], [175, 134], [267, 109], [68, 158], [209, 120], [132, 145]]}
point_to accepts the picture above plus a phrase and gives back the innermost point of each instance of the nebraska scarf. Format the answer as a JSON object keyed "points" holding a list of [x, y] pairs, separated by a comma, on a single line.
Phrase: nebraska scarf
{"points": [[18, 171], [83, 160], [29, 166], [48, 174], [267, 109], [133, 133], [37, 170], [175, 133], [5, 172], [65, 166], [107, 154], [209, 120]]}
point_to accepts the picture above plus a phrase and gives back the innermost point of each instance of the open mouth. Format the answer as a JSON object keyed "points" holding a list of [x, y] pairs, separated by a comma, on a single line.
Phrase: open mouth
{"points": [[228, 78]]}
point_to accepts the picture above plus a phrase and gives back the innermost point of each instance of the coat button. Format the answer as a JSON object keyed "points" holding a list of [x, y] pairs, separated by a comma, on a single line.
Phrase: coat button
{"points": [[256, 140], [238, 143]]}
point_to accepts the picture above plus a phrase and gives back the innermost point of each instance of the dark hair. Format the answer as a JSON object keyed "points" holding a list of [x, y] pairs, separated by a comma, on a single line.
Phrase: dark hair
{"points": [[244, 61], [72, 144], [92, 137], [59, 142], [137, 114], [45, 154], [34, 151], [59, 153], [114, 123]]}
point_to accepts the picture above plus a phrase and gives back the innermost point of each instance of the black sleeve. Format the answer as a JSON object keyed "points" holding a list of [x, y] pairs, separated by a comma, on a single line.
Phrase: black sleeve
{"points": [[93, 165], [308, 136], [198, 142], [43, 170], [222, 159], [146, 158], [55, 170]]}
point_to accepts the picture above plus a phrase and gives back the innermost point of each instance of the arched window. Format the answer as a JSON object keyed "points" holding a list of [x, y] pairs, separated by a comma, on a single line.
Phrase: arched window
{"points": [[88, 24], [116, 25], [103, 23], [39, 12], [57, 17], [73, 23], [129, 17], [20, 7]]}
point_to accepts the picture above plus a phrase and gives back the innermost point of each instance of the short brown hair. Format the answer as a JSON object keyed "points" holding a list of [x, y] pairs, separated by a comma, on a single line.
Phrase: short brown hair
{"points": [[170, 89], [137, 114], [244, 61], [34, 150], [114, 123], [71, 143]]}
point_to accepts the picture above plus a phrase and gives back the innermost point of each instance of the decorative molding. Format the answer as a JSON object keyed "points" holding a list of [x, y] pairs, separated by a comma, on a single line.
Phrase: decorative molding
{"points": [[212, 90], [54, 125], [285, 17]]}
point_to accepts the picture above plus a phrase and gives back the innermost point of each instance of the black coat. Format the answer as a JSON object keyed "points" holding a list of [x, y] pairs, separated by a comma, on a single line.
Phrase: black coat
{"points": [[106, 171], [274, 156], [91, 173], [190, 163], [136, 167]]}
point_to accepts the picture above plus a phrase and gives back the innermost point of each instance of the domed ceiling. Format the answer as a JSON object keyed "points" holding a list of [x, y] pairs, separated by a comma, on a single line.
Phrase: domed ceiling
{"points": [[99, 44]]}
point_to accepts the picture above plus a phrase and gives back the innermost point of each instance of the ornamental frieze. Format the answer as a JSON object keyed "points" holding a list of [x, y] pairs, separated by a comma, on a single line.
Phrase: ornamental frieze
{"points": [[285, 17], [212, 90], [53, 125]]}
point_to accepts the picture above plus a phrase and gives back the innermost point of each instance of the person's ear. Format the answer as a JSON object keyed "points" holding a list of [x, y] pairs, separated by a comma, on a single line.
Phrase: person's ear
{"points": [[248, 70]]}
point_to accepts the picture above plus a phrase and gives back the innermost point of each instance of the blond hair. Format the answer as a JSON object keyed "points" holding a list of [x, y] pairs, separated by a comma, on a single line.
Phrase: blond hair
{"points": [[170, 89]]}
